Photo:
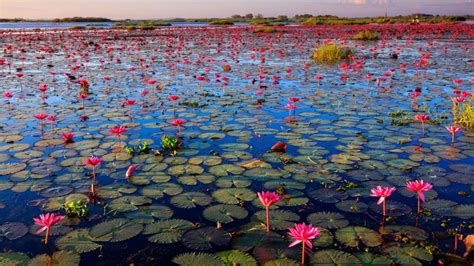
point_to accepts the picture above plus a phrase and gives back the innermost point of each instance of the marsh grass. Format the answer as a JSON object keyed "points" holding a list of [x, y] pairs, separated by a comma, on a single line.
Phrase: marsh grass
{"points": [[465, 115], [331, 53], [366, 36], [265, 30]]}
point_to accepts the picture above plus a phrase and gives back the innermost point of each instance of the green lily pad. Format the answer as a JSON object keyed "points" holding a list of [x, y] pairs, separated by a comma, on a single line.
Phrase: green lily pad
{"points": [[157, 191], [191, 200], [128, 203], [115, 230], [224, 213], [197, 259], [59, 258], [279, 220], [205, 238], [408, 255], [167, 231], [77, 241], [411, 232], [353, 236], [328, 220], [236, 257], [332, 257], [234, 195], [13, 259], [13, 230], [371, 259]]}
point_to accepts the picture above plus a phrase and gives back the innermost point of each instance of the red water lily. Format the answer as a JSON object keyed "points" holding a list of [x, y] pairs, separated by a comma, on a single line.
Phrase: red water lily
{"points": [[422, 119], [178, 123], [67, 137], [302, 233], [453, 130], [46, 221], [383, 193], [268, 199], [419, 186]]}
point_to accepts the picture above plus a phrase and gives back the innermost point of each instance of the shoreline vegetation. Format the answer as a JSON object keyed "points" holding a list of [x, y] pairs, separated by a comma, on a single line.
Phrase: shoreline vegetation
{"points": [[258, 19]]}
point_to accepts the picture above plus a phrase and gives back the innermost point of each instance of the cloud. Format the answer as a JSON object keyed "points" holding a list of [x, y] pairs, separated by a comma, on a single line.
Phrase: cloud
{"points": [[363, 2]]}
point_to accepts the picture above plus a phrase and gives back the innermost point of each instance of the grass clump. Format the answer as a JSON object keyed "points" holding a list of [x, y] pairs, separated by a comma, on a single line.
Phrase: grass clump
{"points": [[221, 22], [331, 53], [265, 30], [465, 115], [366, 36]]}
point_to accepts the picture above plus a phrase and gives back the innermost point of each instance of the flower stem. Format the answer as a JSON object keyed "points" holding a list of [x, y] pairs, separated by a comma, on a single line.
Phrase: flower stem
{"points": [[302, 253], [47, 235], [268, 218], [384, 208], [419, 204]]}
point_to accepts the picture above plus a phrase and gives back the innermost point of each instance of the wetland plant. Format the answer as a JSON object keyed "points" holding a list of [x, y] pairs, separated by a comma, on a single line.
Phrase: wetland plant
{"points": [[366, 36], [331, 53], [268, 199], [303, 233], [76, 209], [383, 193], [46, 221], [419, 186]]}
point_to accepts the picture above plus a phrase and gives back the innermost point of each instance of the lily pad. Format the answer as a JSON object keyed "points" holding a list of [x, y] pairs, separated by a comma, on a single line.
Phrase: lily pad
{"points": [[115, 230], [353, 236], [77, 241], [224, 213], [205, 238], [328, 220], [167, 231], [197, 259], [332, 257]]}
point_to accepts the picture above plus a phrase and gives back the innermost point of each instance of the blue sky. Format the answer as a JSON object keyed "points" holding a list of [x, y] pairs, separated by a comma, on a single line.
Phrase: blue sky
{"points": [[120, 9]]}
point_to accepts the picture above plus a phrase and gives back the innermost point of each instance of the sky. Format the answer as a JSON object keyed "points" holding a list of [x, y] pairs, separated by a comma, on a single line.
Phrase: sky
{"points": [[149, 9]]}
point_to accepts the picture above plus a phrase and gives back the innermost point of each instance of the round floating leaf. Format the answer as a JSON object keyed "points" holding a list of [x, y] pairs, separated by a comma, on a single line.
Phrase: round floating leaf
{"points": [[13, 231], [352, 206], [408, 255], [236, 257], [77, 241], [254, 238], [146, 214], [411, 232], [226, 169], [325, 238], [227, 182], [158, 190], [394, 208], [191, 200], [167, 231], [332, 257], [205, 238], [224, 213], [197, 259], [279, 220], [282, 262], [11, 168], [13, 259], [192, 180], [327, 195], [370, 259], [352, 236], [329, 220], [56, 191], [234, 195], [115, 230], [128, 203], [59, 258]]}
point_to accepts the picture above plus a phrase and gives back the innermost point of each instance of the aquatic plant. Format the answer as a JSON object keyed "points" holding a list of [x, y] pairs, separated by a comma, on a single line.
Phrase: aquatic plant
{"points": [[131, 169], [464, 115], [422, 119], [130, 103], [76, 209], [366, 36], [93, 162], [331, 53], [419, 186], [169, 143], [178, 123], [41, 117], [83, 97], [143, 148], [8, 95], [268, 199], [383, 193], [453, 130], [46, 221], [265, 30], [52, 119], [67, 137], [117, 131], [302, 233]]}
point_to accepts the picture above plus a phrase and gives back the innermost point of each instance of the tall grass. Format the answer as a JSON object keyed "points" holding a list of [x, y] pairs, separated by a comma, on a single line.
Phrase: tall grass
{"points": [[465, 115], [331, 53], [366, 36]]}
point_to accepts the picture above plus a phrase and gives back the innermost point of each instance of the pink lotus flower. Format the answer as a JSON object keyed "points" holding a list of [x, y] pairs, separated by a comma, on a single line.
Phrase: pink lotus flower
{"points": [[117, 131], [130, 103], [453, 130], [173, 98], [383, 193], [40, 116], [67, 137], [83, 97], [143, 93], [422, 119], [419, 186], [8, 95], [51, 119], [131, 169], [293, 99], [459, 99], [178, 123], [290, 107], [303, 233], [47, 221], [457, 82], [93, 162], [268, 199]]}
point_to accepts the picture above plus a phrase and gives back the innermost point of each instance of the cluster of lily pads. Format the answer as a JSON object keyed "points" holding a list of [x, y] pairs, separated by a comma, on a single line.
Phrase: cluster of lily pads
{"points": [[236, 112]]}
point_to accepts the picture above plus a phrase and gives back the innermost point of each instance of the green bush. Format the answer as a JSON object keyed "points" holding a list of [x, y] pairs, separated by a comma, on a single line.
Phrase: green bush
{"points": [[169, 143], [331, 53], [366, 36], [265, 30], [221, 22]]}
